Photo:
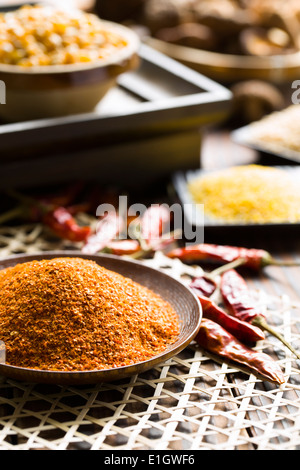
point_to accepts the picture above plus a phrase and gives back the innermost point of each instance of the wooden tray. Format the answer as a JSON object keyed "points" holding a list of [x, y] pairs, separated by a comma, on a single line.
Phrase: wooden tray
{"points": [[145, 128]]}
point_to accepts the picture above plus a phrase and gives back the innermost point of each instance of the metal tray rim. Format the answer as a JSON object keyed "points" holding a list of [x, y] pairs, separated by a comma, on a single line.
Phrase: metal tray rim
{"points": [[239, 136]]}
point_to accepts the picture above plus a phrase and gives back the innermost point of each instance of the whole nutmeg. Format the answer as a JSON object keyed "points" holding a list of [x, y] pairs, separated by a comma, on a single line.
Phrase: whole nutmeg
{"points": [[253, 99], [265, 42], [160, 14]]}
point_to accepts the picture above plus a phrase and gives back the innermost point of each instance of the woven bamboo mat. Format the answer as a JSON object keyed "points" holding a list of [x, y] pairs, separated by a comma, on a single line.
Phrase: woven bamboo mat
{"points": [[190, 402]]}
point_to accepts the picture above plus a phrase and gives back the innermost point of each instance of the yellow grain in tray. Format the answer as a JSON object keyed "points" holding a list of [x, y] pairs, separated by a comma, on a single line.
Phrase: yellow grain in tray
{"points": [[248, 194]]}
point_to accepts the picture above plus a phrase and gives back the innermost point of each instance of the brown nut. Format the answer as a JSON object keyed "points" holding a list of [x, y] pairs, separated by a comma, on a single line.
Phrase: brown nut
{"points": [[253, 99], [286, 21], [159, 14], [225, 17], [265, 42]]}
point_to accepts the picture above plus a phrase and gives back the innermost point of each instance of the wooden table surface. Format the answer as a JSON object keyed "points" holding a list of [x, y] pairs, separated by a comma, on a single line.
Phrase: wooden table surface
{"points": [[189, 403]]}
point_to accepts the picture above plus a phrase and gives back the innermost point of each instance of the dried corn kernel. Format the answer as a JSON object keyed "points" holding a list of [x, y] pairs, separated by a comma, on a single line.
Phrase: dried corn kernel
{"points": [[39, 35]]}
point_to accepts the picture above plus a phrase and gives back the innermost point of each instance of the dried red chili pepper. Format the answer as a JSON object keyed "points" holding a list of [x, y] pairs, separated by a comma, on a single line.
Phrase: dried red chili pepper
{"points": [[58, 218], [205, 252], [63, 224], [237, 297], [203, 285], [77, 208], [242, 330], [206, 283], [153, 223], [215, 339], [239, 301], [107, 230], [123, 247], [166, 240]]}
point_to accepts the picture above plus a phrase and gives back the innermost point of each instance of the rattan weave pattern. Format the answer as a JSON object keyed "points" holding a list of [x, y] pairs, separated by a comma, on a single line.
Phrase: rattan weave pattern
{"points": [[190, 402]]}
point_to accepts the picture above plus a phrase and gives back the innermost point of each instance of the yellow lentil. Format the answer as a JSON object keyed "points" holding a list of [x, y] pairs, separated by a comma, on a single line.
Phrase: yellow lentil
{"points": [[248, 194]]}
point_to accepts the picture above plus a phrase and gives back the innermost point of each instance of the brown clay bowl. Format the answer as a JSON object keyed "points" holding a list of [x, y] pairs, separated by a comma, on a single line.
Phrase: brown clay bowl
{"points": [[228, 68], [180, 297], [57, 90]]}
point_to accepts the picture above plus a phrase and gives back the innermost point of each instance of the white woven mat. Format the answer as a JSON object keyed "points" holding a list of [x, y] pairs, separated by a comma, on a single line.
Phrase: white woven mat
{"points": [[190, 402]]}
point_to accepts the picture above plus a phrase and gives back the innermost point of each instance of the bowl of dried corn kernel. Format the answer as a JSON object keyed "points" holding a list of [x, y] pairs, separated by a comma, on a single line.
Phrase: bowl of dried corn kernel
{"points": [[57, 61]]}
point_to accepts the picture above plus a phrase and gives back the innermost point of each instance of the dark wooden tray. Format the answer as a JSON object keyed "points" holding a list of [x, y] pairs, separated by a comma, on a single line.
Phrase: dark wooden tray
{"points": [[145, 127]]}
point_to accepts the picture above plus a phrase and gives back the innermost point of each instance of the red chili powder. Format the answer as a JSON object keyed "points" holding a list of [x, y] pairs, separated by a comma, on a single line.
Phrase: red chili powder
{"points": [[71, 314]]}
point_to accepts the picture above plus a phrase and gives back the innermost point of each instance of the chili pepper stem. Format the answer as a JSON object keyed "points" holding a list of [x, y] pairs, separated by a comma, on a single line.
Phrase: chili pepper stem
{"points": [[27, 200], [145, 249], [11, 214], [139, 254], [284, 263], [261, 323], [136, 234], [20, 197], [226, 267]]}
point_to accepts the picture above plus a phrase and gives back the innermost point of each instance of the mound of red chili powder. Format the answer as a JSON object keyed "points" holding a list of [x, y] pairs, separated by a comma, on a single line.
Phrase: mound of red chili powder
{"points": [[70, 314]]}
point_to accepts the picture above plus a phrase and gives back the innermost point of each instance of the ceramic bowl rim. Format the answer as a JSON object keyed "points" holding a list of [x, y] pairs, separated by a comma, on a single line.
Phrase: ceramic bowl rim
{"points": [[133, 43]]}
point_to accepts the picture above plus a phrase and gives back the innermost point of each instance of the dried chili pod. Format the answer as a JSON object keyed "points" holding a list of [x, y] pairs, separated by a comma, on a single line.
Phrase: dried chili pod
{"points": [[242, 330], [123, 247], [253, 258], [237, 297], [108, 229], [153, 223], [58, 218], [215, 339], [203, 285], [206, 284], [63, 224], [240, 303]]}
